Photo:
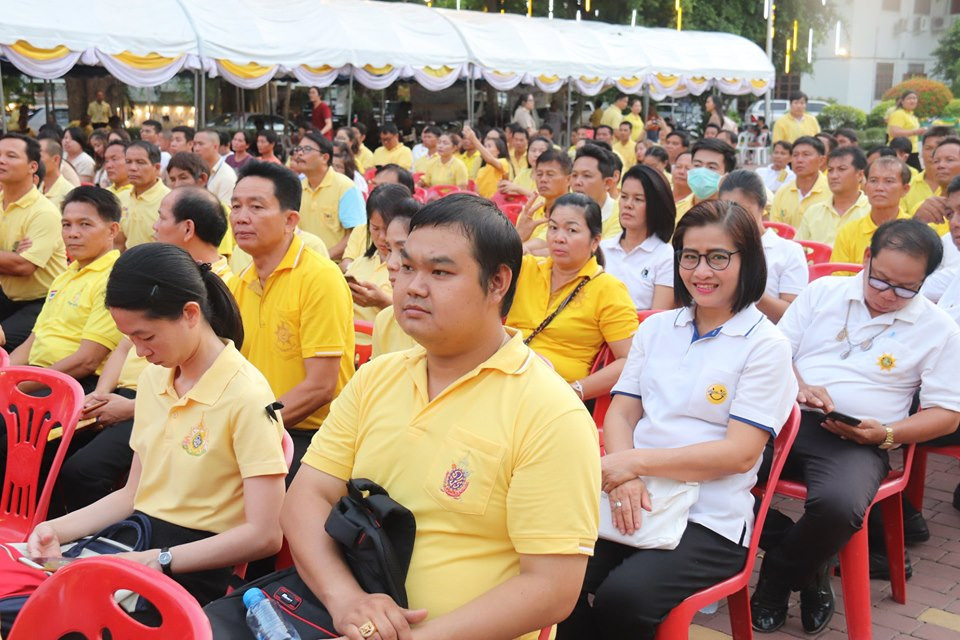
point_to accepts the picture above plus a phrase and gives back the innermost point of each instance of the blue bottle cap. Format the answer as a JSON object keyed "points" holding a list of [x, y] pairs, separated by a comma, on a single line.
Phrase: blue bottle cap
{"points": [[253, 596]]}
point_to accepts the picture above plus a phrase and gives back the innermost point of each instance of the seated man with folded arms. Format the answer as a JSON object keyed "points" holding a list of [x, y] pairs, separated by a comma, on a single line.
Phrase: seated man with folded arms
{"points": [[494, 556], [862, 346]]}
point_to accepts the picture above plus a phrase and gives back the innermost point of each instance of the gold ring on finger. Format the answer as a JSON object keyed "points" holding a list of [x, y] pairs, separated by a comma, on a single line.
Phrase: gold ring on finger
{"points": [[367, 629]]}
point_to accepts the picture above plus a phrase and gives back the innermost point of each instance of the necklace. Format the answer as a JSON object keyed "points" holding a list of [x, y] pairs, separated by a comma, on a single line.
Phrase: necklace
{"points": [[844, 336]]}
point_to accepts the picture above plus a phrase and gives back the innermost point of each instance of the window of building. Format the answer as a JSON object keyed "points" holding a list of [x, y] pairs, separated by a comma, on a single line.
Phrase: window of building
{"points": [[921, 7], [891, 5], [914, 70], [884, 79], [786, 86]]}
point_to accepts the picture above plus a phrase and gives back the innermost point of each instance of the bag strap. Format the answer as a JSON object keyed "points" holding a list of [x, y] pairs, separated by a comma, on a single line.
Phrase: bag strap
{"points": [[137, 522], [556, 312]]}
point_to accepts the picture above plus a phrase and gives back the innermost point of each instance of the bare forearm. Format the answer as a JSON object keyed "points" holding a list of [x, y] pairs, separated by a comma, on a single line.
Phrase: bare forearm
{"points": [[772, 307], [12, 264], [601, 382], [925, 425], [336, 251], [235, 546], [102, 513], [113, 367], [77, 365], [699, 462], [302, 401]]}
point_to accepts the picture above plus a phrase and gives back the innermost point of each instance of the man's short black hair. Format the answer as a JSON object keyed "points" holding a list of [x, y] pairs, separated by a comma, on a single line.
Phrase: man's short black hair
{"points": [[857, 157], [106, 204], [389, 128], [829, 142], [847, 133], [270, 135], [718, 146], [901, 144], [659, 153], [493, 237], [948, 140], [940, 131], [890, 161], [33, 147], [811, 141], [434, 129], [882, 151], [954, 185], [156, 124], [404, 176], [117, 143], [603, 157], [286, 184], [684, 138], [911, 237], [325, 146], [545, 127], [153, 151], [204, 210], [188, 132], [798, 95], [607, 127], [560, 158], [627, 124]]}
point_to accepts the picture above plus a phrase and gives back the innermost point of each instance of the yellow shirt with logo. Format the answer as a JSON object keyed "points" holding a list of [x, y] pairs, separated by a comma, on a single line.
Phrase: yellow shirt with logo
{"points": [[789, 208], [400, 155], [240, 259], [438, 172], [304, 310], [821, 221], [140, 212], [789, 128], [483, 485], [34, 217], [388, 337], [854, 237], [332, 208], [58, 191]]}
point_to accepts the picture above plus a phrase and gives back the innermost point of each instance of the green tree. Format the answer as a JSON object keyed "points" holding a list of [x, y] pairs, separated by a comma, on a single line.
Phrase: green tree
{"points": [[947, 55]]}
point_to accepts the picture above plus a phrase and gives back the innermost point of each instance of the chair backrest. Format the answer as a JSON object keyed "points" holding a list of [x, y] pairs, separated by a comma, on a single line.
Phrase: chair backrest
{"points": [[80, 599], [420, 195], [370, 174], [783, 229], [471, 186], [501, 199], [781, 448], [4, 358], [438, 191], [512, 211], [29, 420], [816, 252], [833, 268], [362, 352]]}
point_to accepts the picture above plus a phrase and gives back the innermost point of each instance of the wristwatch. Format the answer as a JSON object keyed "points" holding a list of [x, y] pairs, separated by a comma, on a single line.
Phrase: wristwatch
{"points": [[165, 558], [888, 441], [578, 388]]}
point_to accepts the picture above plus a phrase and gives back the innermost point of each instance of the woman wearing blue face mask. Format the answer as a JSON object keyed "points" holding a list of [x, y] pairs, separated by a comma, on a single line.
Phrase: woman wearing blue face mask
{"points": [[712, 159]]}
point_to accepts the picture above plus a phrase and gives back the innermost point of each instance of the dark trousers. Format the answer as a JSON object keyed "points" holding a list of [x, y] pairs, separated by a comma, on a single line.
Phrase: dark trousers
{"points": [[633, 590], [842, 478], [17, 319], [301, 441], [96, 470]]}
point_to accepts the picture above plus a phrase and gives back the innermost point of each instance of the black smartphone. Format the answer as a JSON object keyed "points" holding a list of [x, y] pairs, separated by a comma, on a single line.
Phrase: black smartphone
{"points": [[844, 418]]}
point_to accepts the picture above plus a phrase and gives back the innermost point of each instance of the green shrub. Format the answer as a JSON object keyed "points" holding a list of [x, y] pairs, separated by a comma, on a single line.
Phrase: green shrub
{"points": [[835, 116], [952, 110], [933, 96], [872, 137], [878, 114]]}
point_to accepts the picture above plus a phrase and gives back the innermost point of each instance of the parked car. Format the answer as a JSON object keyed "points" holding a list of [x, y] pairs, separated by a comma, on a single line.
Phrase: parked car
{"points": [[231, 122], [779, 108], [38, 117]]}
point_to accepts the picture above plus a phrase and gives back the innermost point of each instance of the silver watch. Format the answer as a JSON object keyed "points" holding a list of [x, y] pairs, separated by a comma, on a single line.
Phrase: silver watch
{"points": [[164, 559]]}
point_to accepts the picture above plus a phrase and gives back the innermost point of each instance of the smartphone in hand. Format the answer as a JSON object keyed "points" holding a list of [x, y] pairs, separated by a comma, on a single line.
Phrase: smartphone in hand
{"points": [[844, 418]]}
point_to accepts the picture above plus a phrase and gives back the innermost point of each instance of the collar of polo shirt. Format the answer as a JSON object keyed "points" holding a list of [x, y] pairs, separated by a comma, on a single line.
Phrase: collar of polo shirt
{"points": [[740, 324]]}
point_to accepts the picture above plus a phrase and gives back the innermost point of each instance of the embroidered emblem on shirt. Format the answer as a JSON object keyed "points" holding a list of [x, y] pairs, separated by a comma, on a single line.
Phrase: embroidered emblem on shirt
{"points": [[456, 480], [196, 442], [887, 362], [716, 394], [285, 336], [645, 273], [53, 292]]}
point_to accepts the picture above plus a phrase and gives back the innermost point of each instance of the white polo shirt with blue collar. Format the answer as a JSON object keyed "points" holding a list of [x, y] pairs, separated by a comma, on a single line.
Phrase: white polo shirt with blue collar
{"points": [[648, 265]]}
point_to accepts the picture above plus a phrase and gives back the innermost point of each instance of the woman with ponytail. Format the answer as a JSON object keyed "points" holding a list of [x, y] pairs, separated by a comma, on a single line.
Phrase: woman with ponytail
{"points": [[208, 464]]}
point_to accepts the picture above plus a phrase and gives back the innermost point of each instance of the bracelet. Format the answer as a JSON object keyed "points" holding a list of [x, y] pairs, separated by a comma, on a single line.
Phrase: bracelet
{"points": [[578, 388]]}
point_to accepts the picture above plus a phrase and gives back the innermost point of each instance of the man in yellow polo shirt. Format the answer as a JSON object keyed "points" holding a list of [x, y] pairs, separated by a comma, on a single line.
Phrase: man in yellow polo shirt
{"points": [[331, 205], [809, 187], [924, 183], [845, 167], [552, 176], [888, 179], [797, 123], [624, 146], [946, 165], [115, 166], [613, 115], [75, 332], [31, 246], [711, 160], [593, 175], [141, 204], [494, 556], [296, 306], [392, 151], [99, 110], [192, 218], [54, 185]]}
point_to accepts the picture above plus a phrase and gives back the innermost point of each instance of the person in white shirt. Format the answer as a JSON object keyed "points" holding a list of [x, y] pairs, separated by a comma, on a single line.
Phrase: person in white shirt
{"points": [[703, 390], [935, 287], [75, 145], [641, 256], [787, 271], [863, 346], [223, 178]]}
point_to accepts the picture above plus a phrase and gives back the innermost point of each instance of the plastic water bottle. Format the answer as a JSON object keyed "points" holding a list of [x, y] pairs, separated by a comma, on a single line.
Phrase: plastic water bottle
{"points": [[265, 618]]}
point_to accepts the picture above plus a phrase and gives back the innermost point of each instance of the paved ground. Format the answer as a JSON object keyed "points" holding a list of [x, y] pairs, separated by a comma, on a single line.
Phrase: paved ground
{"points": [[932, 610]]}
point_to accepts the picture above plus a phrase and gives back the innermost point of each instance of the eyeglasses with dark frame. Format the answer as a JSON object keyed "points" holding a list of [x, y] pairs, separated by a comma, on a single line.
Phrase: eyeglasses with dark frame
{"points": [[303, 149], [883, 285], [717, 259]]}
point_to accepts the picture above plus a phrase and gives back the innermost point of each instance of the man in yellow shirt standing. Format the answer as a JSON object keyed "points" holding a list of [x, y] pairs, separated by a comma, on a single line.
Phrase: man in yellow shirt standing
{"points": [[613, 115], [391, 150], [809, 187], [99, 111], [141, 204], [494, 557], [54, 185], [845, 167], [797, 123], [624, 145], [31, 245], [296, 306]]}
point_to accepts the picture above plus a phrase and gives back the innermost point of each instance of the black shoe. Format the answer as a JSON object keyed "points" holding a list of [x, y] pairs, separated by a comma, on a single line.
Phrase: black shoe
{"points": [[769, 603], [880, 568], [816, 602], [915, 528], [956, 498]]}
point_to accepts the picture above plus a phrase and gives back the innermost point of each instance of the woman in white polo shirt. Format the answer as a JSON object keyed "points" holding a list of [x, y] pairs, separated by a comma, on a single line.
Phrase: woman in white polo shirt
{"points": [[641, 255], [787, 270], [704, 388]]}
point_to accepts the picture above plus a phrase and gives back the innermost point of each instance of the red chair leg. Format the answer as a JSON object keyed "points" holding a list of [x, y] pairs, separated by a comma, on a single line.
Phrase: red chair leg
{"points": [[918, 478], [676, 624], [855, 569], [740, 623], [893, 536]]}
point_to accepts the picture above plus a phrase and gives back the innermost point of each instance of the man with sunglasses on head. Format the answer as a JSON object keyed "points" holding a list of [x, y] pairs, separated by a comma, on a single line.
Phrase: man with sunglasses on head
{"points": [[862, 346]]}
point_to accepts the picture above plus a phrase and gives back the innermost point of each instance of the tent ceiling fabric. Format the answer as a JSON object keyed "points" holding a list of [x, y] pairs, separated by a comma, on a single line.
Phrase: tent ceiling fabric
{"points": [[250, 42]]}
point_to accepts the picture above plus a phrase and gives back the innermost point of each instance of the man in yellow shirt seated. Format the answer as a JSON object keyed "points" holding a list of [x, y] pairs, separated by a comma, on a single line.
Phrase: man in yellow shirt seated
{"points": [[552, 177], [494, 557], [392, 151], [141, 204], [115, 166], [809, 187], [712, 159], [924, 183], [75, 332], [593, 175], [888, 179], [193, 219], [427, 149], [624, 145], [519, 141], [54, 185], [946, 165], [296, 306], [845, 167], [797, 123]]}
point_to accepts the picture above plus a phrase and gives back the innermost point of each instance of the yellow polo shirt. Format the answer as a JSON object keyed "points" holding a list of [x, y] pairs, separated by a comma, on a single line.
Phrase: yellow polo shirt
{"points": [[400, 155], [75, 311], [484, 486], [472, 161], [639, 126], [332, 208], [364, 158], [942, 227], [489, 176], [98, 112], [821, 221], [525, 180], [303, 311], [240, 259], [197, 450], [58, 191], [140, 212], [854, 237], [789, 128], [612, 117], [683, 205], [421, 163], [120, 192], [919, 191], [627, 153], [452, 172], [371, 270], [904, 120], [787, 205], [602, 312], [388, 337], [34, 217], [517, 165]]}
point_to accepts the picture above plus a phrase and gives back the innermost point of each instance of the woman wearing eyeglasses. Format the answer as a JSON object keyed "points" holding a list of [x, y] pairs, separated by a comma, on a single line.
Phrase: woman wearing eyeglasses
{"points": [[703, 389]]}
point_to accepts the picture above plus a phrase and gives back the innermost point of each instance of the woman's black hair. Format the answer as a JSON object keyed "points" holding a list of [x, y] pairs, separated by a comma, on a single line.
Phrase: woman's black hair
{"points": [[661, 210], [501, 148], [389, 200], [749, 183], [79, 137], [159, 279], [591, 215]]}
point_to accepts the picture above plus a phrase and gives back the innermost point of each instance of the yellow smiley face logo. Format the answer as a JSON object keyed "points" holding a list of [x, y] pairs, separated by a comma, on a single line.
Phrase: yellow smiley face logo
{"points": [[716, 394]]}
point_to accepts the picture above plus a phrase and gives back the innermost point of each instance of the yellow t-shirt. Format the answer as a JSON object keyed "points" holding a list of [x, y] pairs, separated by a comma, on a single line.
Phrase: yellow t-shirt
{"points": [[99, 112], [439, 173], [388, 337], [196, 451], [304, 310], [787, 205], [854, 237], [364, 158], [789, 128], [472, 161], [627, 153], [612, 117], [919, 191], [371, 270], [74, 311], [58, 191], [34, 217], [524, 180], [483, 485], [120, 192], [420, 164], [140, 212], [602, 312], [821, 221], [332, 208], [639, 126], [903, 119], [400, 155], [489, 176]]}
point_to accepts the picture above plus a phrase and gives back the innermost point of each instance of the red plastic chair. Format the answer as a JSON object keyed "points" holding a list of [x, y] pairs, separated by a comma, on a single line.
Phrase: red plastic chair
{"points": [[362, 351], [735, 589], [471, 186], [420, 195], [512, 211], [438, 191], [88, 586], [29, 420], [816, 252], [370, 174], [784, 230], [417, 176], [832, 268], [501, 199], [4, 359], [918, 474]]}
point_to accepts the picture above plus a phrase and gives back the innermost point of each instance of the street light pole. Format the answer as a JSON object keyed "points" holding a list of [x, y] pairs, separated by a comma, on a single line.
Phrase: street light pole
{"points": [[768, 12]]}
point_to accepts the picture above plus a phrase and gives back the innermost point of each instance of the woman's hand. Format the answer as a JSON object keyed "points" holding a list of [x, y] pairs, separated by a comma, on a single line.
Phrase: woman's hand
{"points": [[631, 496], [618, 468], [43, 542], [367, 294], [107, 408]]}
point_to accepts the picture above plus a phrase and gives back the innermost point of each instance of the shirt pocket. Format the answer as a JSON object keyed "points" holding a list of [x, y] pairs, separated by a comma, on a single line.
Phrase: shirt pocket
{"points": [[462, 474], [712, 395], [286, 333]]}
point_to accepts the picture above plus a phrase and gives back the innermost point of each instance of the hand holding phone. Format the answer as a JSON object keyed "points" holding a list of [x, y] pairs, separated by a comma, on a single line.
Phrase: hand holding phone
{"points": [[844, 418]]}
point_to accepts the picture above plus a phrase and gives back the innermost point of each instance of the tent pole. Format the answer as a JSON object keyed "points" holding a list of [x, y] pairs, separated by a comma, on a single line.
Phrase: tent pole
{"points": [[469, 86], [646, 102], [243, 108], [350, 102], [569, 113], [383, 107], [3, 102], [196, 99], [202, 116]]}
